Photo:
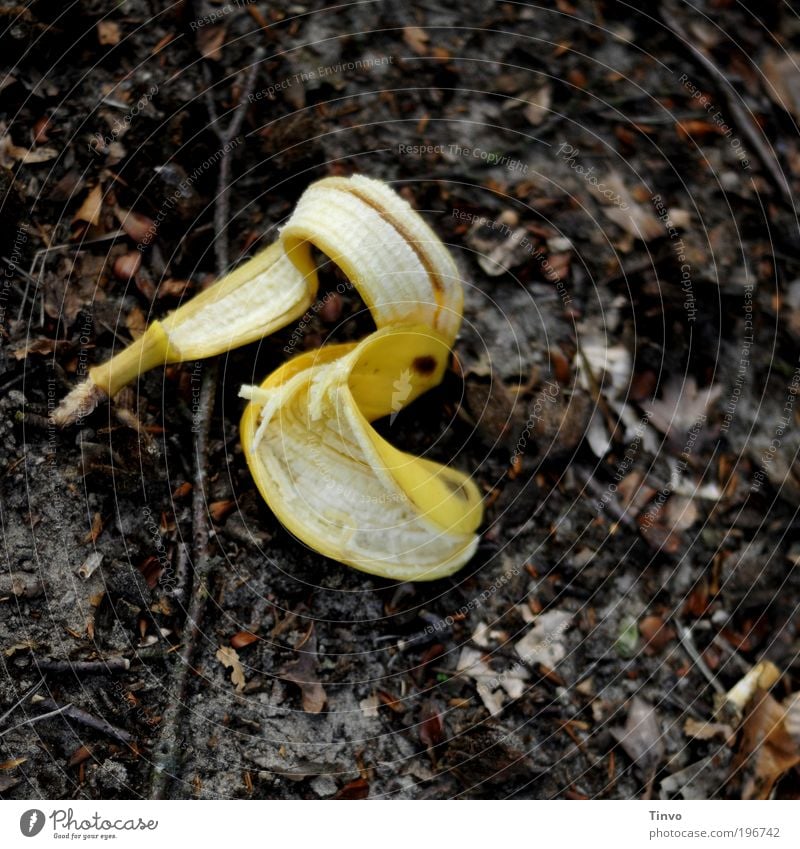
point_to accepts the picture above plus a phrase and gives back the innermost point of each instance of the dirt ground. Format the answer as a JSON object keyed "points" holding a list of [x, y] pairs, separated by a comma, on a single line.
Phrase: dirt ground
{"points": [[617, 187]]}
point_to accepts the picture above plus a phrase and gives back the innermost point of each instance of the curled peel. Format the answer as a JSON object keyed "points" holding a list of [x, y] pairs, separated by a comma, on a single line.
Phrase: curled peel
{"points": [[395, 261], [327, 474], [335, 483]]}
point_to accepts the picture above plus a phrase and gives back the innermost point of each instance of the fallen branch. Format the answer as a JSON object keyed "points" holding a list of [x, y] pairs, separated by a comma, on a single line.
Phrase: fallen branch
{"points": [[165, 755]]}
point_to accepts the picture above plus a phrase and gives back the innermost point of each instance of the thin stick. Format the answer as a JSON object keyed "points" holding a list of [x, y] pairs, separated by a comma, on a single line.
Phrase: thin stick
{"points": [[88, 667], [96, 723], [743, 119], [165, 756], [32, 719], [26, 695], [689, 647]]}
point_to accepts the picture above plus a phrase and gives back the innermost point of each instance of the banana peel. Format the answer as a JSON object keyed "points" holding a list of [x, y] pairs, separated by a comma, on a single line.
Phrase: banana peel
{"points": [[395, 261], [307, 432], [338, 485]]}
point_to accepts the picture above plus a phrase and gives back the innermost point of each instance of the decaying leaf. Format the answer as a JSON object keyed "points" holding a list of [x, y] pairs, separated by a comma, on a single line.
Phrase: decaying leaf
{"points": [[40, 346], [641, 737], [636, 219], [538, 106], [209, 41], [303, 672], [767, 749], [91, 208], [243, 638], [7, 782], [228, 657], [108, 32], [699, 730], [417, 39], [544, 643], [783, 79], [369, 706], [12, 154], [681, 406]]}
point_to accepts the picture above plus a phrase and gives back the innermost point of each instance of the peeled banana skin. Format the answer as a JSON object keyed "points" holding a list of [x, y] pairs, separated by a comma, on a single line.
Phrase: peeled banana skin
{"points": [[328, 476], [399, 266]]}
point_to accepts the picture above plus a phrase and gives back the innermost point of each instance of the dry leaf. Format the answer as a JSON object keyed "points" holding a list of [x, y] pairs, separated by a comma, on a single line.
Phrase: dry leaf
{"points": [[136, 322], [417, 39], [218, 510], [303, 672], [792, 720], [539, 101], [698, 730], [11, 154], [641, 737], [369, 706], [108, 32], [209, 41], [91, 208], [228, 657], [783, 78], [243, 638], [767, 749], [12, 764], [40, 346], [682, 405], [544, 642], [358, 788], [431, 728]]}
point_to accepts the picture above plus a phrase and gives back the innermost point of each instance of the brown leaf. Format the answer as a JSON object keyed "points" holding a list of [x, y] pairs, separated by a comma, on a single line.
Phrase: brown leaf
{"points": [[108, 32], [218, 510], [136, 322], [417, 39], [767, 749], [431, 728], [243, 638], [655, 633], [356, 789], [10, 153], [7, 782], [699, 730], [96, 529], [91, 208], [81, 754], [209, 41], [138, 227], [783, 78], [538, 107], [12, 764], [228, 657], [40, 346], [172, 288], [303, 672], [641, 736]]}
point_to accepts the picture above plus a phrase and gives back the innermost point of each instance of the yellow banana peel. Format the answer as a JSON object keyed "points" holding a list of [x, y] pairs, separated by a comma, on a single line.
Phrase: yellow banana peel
{"points": [[329, 477], [335, 483]]}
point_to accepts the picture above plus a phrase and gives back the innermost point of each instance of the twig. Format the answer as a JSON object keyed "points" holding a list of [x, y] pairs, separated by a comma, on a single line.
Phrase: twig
{"points": [[741, 116], [32, 719], [165, 756], [689, 647], [26, 695], [69, 711], [87, 667]]}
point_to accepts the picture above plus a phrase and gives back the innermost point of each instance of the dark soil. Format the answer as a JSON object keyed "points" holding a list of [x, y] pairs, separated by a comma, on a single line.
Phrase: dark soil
{"points": [[639, 254]]}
